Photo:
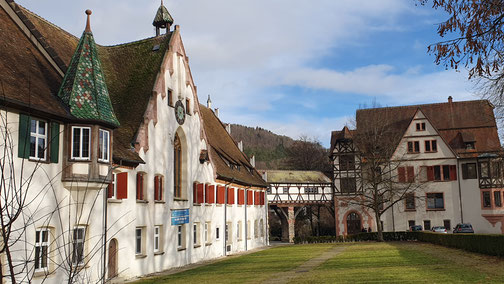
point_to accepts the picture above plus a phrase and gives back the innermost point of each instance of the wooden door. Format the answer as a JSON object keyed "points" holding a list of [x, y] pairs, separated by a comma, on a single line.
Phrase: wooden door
{"points": [[112, 259], [353, 223]]}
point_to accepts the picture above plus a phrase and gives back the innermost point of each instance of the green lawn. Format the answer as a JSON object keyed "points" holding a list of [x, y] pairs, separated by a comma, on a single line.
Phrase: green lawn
{"points": [[361, 262]]}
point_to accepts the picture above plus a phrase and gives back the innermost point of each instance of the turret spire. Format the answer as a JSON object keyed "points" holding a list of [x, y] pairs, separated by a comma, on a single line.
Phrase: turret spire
{"points": [[163, 19], [88, 25]]}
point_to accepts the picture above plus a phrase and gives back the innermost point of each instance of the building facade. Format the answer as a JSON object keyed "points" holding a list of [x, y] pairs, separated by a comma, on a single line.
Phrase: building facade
{"points": [[449, 151], [121, 171]]}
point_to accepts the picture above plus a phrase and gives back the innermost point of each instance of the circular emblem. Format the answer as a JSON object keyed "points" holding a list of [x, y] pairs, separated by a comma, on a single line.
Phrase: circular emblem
{"points": [[179, 112]]}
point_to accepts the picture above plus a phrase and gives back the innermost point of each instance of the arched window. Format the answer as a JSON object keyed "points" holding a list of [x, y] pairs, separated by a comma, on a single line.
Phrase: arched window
{"points": [[177, 167]]}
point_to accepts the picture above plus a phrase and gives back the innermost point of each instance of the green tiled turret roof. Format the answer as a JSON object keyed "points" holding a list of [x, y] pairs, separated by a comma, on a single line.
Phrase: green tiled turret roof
{"points": [[83, 89], [162, 17]]}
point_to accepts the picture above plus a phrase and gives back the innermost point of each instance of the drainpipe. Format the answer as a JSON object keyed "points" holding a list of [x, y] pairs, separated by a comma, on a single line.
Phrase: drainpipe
{"points": [[460, 191]]}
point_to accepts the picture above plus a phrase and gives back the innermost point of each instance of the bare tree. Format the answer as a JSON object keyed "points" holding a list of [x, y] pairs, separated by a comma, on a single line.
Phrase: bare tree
{"points": [[308, 154]]}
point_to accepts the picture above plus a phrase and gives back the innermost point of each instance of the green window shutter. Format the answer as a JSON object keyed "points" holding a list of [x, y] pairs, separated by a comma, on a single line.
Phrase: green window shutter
{"points": [[24, 136], [55, 131]]}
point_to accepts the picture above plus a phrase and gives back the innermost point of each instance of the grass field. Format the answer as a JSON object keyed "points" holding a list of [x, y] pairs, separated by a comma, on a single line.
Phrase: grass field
{"points": [[359, 263]]}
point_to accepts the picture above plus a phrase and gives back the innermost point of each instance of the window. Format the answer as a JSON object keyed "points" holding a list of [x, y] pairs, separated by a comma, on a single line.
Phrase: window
{"points": [[79, 235], [181, 237], [413, 147], [484, 173], [228, 232], [177, 167], [469, 171], [118, 188], [207, 233], [447, 224], [348, 185], [285, 190], [248, 230], [38, 139], [430, 146], [261, 228], [487, 202], [196, 234], [170, 97], [420, 126], [311, 190], [157, 238], [427, 225], [442, 173], [469, 145], [406, 174], [497, 198], [188, 106], [256, 231], [158, 187], [81, 141], [140, 185], [239, 230], [139, 248], [411, 223], [112, 187], [217, 236], [41, 249], [104, 146], [435, 201], [410, 201], [347, 162]]}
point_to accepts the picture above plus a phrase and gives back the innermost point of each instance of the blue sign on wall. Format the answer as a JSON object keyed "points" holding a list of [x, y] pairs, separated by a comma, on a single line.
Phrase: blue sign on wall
{"points": [[179, 217]]}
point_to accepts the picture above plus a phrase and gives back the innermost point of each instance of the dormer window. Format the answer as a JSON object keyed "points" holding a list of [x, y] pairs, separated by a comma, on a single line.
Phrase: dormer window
{"points": [[81, 141], [104, 146], [469, 145], [420, 126]]}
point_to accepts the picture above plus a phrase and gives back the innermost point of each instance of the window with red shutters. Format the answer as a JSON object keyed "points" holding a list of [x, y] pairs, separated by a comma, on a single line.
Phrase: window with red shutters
{"points": [[210, 194], [158, 188], [195, 200], [199, 193], [453, 172], [262, 198], [241, 196], [402, 174], [110, 187], [410, 174], [122, 185], [442, 173], [430, 173], [221, 191], [256, 198], [140, 186], [230, 195], [250, 198]]}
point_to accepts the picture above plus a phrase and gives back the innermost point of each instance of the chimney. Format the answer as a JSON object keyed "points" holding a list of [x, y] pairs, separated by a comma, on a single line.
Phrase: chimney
{"points": [[217, 112], [450, 99], [252, 161], [228, 128], [265, 176], [209, 103], [240, 144]]}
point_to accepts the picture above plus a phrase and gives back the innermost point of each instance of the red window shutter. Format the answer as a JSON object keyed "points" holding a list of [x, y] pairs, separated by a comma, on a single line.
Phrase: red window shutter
{"points": [[250, 199], [156, 187], [199, 191], [230, 195], [402, 174], [430, 173], [411, 174], [110, 188], [256, 198], [220, 194], [241, 196], [139, 186], [122, 185], [453, 172], [210, 194], [195, 199]]}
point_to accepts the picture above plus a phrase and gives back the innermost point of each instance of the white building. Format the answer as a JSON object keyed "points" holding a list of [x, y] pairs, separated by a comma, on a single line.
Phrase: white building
{"points": [[125, 173], [452, 148]]}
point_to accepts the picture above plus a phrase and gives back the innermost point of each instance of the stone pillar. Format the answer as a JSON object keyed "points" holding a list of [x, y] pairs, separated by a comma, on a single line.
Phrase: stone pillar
{"points": [[292, 223]]}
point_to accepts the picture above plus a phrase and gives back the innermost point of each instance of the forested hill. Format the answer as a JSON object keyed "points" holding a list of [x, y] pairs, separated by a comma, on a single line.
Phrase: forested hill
{"points": [[268, 147]]}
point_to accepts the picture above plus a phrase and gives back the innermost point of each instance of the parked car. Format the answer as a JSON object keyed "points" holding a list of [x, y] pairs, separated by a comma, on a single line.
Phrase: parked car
{"points": [[415, 228], [439, 229], [463, 228]]}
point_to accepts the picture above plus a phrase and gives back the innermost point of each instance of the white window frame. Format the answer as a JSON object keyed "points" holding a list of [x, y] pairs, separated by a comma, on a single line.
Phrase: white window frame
{"points": [[239, 230], [103, 144], [207, 232], [80, 157], [196, 234], [114, 186], [76, 241], [38, 136], [256, 232], [139, 247], [248, 230], [40, 244], [217, 233], [157, 238]]}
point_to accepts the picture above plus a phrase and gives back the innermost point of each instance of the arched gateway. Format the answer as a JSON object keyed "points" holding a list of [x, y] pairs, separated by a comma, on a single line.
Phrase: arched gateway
{"points": [[353, 223]]}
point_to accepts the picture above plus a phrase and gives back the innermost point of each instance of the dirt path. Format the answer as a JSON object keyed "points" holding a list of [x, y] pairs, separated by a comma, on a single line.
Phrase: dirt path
{"points": [[308, 266]]}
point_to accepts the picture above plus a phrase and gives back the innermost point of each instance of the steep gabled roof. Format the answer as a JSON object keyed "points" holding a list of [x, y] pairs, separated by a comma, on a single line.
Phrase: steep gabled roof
{"points": [[28, 81], [453, 120], [336, 136], [288, 176], [223, 151]]}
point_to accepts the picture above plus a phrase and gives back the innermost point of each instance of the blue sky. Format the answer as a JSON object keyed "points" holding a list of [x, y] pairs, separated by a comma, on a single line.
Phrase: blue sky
{"points": [[293, 67]]}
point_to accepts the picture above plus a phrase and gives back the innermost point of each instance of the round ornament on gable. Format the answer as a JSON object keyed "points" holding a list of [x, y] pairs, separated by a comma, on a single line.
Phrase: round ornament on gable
{"points": [[179, 112]]}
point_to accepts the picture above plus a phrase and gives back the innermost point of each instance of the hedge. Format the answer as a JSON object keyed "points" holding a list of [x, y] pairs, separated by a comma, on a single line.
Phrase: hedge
{"points": [[479, 243]]}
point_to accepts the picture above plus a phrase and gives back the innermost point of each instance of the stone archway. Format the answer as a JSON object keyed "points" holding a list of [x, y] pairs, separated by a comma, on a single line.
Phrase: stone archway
{"points": [[112, 259], [353, 223]]}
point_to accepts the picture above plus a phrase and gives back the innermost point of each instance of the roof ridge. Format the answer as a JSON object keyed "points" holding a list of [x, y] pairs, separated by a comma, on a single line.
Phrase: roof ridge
{"points": [[46, 21], [423, 105], [135, 42]]}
